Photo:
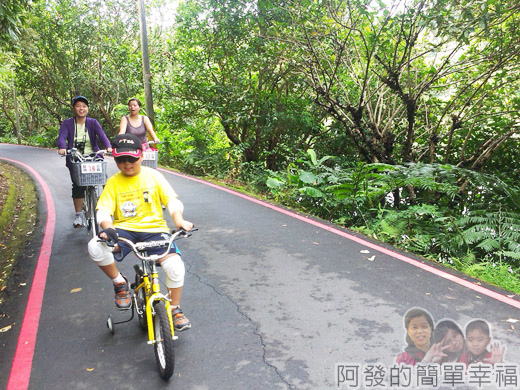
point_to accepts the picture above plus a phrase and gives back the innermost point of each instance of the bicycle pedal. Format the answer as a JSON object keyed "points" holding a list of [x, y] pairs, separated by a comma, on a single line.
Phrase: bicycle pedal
{"points": [[132, 285]]}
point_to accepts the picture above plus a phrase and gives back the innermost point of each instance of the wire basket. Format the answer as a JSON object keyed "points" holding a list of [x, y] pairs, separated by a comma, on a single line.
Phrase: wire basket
{"points": [[150, 158], [89, 173]]}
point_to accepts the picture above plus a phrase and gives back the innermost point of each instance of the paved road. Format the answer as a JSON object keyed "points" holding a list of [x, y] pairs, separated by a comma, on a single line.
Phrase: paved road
{"points": [[276, 299]]}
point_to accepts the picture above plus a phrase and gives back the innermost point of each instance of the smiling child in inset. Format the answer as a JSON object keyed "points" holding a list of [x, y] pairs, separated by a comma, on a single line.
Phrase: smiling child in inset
{"points": [[477, 340]]}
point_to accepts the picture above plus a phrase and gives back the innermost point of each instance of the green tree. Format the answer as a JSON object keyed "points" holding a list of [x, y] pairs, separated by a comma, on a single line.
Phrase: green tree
{"points": [[224, 66], [406, 85], [12, 16], [76, 47]]}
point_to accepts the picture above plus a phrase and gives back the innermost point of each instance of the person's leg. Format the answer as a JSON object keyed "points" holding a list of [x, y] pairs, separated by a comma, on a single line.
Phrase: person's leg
{"points": [[78, 204], [110, 270], [175, 295], [78, 195], [173, 267], [102, 255]]}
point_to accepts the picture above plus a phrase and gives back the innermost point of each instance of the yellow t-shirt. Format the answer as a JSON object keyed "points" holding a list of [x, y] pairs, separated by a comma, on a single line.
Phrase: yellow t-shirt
{"points": [[135, 202]]}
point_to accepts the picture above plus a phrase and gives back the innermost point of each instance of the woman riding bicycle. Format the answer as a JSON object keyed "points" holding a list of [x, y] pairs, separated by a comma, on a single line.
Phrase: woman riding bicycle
{"points": [[83, 133], [139, 125], [131, 206]]}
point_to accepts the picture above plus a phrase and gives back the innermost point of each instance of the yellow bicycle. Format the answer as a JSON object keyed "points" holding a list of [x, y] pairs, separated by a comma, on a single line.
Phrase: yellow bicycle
{"points": [[152, 306]]}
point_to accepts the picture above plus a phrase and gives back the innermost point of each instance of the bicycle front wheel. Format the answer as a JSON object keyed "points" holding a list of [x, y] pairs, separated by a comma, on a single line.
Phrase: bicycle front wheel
{"points": [[163, 341], [91, 198], [140, 299]]}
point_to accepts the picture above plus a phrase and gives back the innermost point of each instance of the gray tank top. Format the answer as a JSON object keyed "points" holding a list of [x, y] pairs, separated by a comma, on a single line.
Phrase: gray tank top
{"points": [[139, 131]]}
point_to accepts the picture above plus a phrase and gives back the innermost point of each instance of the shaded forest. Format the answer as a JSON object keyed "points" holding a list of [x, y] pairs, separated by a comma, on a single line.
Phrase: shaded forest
{"points": [[396, 119]]}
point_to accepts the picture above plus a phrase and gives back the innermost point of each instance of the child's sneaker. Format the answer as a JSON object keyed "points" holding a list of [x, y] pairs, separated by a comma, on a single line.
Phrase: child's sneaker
{"points": [[180, 322], [122, 295]]}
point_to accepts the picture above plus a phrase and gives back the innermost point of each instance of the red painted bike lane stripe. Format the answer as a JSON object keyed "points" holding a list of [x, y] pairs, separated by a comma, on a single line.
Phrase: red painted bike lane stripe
{"points": [[428, 268], [22, 362]]}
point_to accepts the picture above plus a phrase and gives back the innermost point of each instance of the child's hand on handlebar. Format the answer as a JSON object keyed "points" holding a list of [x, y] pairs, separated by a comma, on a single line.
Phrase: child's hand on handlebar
{"points": [[186, 225], [110, 235]]}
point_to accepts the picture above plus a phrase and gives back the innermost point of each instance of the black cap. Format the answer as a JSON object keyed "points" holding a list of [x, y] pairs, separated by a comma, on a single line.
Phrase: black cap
{"points": [[126, 145], [79, 99]]}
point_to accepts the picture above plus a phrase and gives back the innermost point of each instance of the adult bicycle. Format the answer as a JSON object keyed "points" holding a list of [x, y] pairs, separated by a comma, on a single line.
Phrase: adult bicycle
{"points": [[151, 305], [150, 154], [89, 171]]}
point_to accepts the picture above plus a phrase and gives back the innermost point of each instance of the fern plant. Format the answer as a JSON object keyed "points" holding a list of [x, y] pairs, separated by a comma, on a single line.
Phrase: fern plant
{"points": [[462, 218], [494, 234], [444, 212]]}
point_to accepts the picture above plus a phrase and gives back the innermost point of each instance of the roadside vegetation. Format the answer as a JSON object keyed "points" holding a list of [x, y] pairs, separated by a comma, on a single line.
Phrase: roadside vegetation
{"points": [[399, 120], [18, 214]]}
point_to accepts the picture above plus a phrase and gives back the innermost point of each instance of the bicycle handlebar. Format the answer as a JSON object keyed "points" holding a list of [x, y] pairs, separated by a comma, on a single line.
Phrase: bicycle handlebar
{"points": [[76, 154], [150, 145], [141, 246]]}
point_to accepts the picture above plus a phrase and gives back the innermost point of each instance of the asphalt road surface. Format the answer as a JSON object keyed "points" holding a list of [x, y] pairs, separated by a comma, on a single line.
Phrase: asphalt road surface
{"points": [[277, 300]]}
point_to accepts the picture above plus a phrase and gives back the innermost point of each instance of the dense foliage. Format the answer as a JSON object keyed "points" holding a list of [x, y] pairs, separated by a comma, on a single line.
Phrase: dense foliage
{"points": [[12, 17], [397, 119]]}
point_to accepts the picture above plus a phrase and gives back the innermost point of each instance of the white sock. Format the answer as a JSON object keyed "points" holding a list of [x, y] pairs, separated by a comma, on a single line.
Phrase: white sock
{"points": [[118, 279]]}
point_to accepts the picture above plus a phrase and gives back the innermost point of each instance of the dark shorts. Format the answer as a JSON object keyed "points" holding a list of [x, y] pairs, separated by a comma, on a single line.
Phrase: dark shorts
{"points": [[77, 191], [142, 237]]}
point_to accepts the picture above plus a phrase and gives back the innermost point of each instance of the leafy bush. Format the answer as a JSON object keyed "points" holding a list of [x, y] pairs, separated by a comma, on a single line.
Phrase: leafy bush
{"points": [[198, 148], [44, 139], [450, 214]]}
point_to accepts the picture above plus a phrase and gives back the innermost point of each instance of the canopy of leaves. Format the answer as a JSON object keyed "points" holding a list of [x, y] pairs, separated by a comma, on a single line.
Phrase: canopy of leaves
{"points": [[75, 47], [397, 118], [225, 67], [12, 14]]}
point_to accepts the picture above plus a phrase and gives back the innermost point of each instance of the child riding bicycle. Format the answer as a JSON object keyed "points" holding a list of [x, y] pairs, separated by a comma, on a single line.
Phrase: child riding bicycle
{"points": [[131, 206]]}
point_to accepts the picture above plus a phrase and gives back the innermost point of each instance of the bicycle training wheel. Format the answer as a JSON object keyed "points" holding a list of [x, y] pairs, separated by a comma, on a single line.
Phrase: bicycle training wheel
{"points": [[110, 324], [163, 341]]}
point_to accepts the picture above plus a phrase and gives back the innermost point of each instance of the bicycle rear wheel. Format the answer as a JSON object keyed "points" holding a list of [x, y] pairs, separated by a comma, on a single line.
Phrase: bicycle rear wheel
{"points": [[163, 341]]}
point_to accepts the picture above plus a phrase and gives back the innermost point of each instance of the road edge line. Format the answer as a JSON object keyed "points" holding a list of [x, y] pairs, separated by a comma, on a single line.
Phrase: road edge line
{"points": [[20, 374], [416, 263]]}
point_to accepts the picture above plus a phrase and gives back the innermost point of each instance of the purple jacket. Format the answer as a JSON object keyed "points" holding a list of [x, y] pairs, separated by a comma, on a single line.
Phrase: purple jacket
{"points": [[94, 130]]}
